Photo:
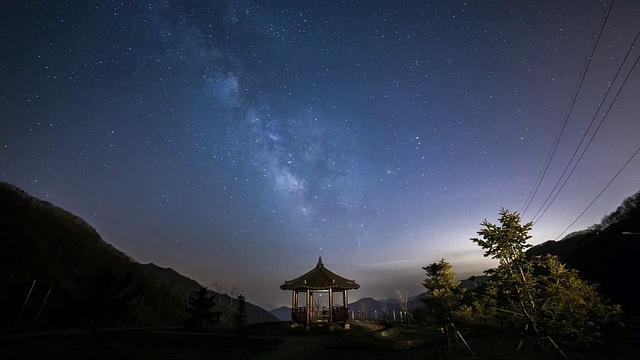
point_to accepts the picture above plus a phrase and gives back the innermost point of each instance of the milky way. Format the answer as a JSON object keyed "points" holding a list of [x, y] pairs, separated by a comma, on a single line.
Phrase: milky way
{"points": [[238, 141]]}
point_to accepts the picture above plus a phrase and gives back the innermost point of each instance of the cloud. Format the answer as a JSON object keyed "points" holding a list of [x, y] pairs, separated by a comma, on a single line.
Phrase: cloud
{"points": [[387, 265]]}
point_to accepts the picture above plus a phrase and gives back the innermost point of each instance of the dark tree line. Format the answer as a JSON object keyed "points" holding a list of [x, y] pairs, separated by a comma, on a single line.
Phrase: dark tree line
{"points": [[628, 210]]}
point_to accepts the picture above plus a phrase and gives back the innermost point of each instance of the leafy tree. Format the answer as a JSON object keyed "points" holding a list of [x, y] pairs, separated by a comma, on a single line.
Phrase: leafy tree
{"points": [[538, 294], [200, 305], [240, 317]]}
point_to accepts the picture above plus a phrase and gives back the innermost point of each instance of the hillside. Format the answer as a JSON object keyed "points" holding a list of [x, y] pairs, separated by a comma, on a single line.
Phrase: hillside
{"points": [[605, 253], [56, 271]]}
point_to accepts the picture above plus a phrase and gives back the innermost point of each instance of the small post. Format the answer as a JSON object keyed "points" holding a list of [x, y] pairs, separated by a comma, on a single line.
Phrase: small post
{"points": [[158, 311], [42, 307], [25, 302]]}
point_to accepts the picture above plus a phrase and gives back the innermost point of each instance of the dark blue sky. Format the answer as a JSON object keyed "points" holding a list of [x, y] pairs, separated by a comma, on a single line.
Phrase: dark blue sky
{"points": [[237, 141]]}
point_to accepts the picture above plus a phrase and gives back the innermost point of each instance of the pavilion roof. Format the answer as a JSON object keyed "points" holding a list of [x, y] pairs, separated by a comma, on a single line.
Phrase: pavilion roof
{"points": [[319, 278]]}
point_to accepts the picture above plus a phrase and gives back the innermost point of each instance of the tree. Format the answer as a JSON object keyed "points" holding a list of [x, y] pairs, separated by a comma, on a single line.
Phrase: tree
{"points": [[233, 291], [240, 317], [220, 289], [106, 299], [403, 298], [363, 304], [382, 301], [445, 296], [538, 294], [200, 310], [629, 209]]}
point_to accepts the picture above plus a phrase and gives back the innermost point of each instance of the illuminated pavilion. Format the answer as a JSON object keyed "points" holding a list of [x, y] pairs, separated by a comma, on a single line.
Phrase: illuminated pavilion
{"points": [[319, 281]]}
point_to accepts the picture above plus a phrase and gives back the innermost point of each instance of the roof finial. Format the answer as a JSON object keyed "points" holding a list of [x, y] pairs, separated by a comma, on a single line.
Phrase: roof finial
{"points": [[320, 260]]}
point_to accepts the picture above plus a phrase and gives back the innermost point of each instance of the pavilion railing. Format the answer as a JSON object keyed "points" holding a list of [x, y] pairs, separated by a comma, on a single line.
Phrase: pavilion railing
{"points": [[299, 314], [396, 316], [340, 313]]}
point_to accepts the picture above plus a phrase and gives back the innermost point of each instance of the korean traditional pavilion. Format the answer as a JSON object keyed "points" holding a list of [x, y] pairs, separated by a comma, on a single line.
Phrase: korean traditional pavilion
{"points": [[319, 281]]}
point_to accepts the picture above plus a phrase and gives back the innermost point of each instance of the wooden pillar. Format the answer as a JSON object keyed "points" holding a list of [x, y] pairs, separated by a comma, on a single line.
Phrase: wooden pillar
{"points": [[294, 308], [330, 309], [345, 304], [309, 305]]}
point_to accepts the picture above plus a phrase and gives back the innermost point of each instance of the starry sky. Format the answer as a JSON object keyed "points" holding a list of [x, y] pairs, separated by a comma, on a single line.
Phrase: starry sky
{"points": [[237, 141]]}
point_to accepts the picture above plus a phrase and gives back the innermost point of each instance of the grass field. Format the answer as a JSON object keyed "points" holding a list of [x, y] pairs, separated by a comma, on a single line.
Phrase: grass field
{"points": [[271, 341]]}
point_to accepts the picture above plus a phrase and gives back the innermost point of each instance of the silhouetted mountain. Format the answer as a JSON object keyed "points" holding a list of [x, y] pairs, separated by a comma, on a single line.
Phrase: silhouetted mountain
{"points": [[374, 305], [365, 304], [56, 270], [255, 314], [177, 283], [168, 275], [605, 253], [283, 313]]}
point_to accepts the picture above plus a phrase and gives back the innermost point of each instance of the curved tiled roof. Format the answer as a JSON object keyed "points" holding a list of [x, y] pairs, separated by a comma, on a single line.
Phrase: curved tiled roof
{"points": [[319, 278]]}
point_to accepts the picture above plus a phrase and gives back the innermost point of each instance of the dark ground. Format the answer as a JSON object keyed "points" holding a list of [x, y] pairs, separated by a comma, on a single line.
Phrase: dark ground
{"points": [[278, 341]]}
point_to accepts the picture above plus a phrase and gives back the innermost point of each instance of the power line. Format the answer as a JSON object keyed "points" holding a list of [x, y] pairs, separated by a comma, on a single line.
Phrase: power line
{"points": [[569, 111], [601, 192], [540, 211]]}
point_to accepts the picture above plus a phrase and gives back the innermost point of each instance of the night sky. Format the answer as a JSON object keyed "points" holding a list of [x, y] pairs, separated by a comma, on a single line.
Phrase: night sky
{"points": [[238, 141]]}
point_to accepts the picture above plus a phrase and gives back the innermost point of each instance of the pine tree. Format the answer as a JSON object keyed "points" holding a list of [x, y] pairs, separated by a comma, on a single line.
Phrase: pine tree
{"points": [[105, 299], [444, 299], [445, 294], [200, 305], [240, 317]]}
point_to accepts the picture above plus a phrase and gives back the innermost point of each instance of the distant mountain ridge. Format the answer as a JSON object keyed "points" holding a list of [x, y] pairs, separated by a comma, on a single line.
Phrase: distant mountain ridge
{"points": [[51, 257], [283, 313]]}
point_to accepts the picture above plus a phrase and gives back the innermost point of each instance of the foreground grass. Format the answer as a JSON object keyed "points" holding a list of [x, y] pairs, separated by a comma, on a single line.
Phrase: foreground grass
{"points": [[138, 344], [268, 341]]}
